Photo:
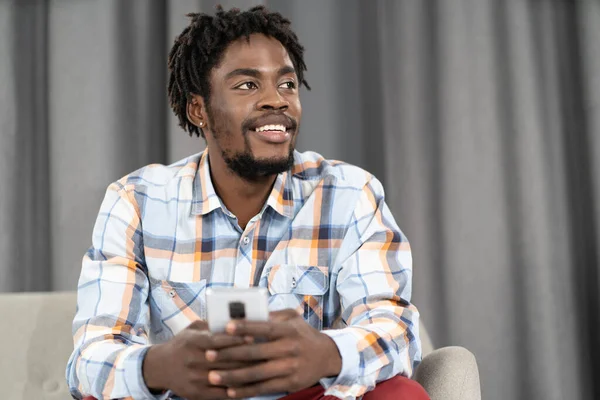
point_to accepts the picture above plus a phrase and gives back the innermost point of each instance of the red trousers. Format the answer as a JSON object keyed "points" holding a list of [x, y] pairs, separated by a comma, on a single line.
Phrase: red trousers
{"points": [[397, 388]]}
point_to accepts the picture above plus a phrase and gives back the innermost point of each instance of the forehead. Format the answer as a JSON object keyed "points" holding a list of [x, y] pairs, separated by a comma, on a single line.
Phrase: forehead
{"points": [[261, 52]]}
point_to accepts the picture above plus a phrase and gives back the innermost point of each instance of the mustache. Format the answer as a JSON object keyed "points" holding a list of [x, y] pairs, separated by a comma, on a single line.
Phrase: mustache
{"points": [[248, 124]]}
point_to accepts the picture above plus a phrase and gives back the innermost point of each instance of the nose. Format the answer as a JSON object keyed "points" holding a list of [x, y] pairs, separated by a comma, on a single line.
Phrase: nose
{"points": [[272, 100]]}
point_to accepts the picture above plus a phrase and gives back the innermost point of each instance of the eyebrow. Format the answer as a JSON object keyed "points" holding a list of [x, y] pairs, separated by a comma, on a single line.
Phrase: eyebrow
{"points": [[256, 73]]}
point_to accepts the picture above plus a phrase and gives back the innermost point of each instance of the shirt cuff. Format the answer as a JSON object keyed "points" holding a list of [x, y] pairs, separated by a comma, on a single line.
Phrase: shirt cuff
{"points": [[134, 376], [347, 345]]}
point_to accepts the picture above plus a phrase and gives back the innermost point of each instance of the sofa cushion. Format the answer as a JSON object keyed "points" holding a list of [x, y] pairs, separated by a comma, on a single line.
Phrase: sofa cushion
{"points": [[36, 343]]}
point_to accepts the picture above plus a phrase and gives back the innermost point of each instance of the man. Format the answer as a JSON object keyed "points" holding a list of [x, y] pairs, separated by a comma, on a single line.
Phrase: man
{"points": [[248, 211]]}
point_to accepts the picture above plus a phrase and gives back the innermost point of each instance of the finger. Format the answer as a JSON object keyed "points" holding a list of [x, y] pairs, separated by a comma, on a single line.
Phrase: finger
{"points": [[277, 385], [227, 365], [199, 330], [255, 352], [200, 363], [260, 329], [256, 373], [199, 325], [205, 340], [283, 315], [221, 341]]}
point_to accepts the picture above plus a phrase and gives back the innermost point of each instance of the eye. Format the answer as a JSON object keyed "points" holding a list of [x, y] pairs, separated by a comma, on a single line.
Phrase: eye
{"points": [[247, 86], [288, 85]]}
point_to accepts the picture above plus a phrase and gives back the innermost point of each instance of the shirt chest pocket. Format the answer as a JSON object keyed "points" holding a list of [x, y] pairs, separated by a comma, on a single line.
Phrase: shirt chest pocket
{"points": [[175, 305], [299, 287]]}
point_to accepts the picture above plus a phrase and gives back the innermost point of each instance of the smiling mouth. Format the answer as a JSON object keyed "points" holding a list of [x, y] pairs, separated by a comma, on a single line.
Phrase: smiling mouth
{"points": [[273, 133]]}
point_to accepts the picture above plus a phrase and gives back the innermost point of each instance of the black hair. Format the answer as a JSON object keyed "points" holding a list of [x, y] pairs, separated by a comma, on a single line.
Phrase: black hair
{"points": [[200, 47]]}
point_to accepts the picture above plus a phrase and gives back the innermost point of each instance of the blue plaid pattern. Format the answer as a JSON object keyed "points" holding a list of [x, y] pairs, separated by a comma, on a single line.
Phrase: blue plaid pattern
{"points": [[325, 244]]}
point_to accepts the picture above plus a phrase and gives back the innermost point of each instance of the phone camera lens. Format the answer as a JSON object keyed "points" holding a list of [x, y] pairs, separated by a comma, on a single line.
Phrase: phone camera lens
{"points": [[237, 310]]}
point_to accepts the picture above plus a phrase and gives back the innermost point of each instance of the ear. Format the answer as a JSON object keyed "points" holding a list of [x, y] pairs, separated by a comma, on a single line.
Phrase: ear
{"points": [[196, 112]]}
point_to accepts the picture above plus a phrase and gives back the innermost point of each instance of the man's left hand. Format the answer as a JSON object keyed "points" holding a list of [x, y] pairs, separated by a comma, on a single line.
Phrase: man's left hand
{"points": [[295, 356]]}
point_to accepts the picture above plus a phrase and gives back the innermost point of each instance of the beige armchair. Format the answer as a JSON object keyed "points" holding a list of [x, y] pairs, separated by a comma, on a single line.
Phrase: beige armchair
{"points": [[36, 345], [447, 373]]}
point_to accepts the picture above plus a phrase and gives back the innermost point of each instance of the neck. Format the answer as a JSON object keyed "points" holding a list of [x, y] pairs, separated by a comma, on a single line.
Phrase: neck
{"points": [[242, 197]]}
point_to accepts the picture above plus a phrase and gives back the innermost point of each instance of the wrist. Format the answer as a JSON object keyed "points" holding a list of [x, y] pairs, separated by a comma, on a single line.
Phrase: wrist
{"points": [[154, 376], [333, 361]]}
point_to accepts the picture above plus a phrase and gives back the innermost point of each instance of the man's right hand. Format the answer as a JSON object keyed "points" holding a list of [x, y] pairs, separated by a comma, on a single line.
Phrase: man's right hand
{"points": [[180, 364]]}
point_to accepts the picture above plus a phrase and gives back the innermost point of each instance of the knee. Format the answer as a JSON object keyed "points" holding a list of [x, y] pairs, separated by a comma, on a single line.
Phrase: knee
{"points": [[398, 388]]}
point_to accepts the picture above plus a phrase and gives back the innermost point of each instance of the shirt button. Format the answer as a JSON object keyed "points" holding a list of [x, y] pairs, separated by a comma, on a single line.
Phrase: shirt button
{"points": [[246, 240]]}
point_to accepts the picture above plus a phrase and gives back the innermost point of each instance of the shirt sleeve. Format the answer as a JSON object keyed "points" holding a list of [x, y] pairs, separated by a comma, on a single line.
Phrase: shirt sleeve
{"points": [[110, 325], [380, 339]]}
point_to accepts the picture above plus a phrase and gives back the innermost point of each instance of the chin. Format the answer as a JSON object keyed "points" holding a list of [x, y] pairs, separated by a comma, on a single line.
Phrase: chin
{"points": [[279, 152]]}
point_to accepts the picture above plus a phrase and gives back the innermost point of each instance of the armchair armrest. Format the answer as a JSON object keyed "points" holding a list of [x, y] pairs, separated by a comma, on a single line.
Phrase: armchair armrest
{"points": [[449, 373]]}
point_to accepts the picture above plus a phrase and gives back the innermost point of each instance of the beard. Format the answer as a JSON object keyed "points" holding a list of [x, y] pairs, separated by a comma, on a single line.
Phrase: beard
{"points": [[244, 163]]}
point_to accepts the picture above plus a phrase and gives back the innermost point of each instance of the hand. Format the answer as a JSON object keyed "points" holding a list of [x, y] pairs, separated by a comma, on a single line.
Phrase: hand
{"points": [[180, 364], [295, 357]]}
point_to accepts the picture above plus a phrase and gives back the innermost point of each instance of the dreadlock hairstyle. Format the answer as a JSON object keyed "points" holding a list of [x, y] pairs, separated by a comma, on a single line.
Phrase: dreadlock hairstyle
{"points": [[200, 47]]}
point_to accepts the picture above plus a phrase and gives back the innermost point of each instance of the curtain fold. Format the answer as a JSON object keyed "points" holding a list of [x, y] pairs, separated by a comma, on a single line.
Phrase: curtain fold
{"points": [[481, 118], [108, 112], [587, 25], [24, 160]]}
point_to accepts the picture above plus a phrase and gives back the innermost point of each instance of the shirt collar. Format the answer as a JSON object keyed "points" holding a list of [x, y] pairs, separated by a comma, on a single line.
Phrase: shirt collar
{"points": [[281, 198], [205, 199]]}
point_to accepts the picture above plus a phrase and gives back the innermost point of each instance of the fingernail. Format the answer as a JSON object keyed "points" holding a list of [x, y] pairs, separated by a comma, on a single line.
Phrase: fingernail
{"points": [[210, 355], [214, 378], [230, 392], [230, 328]]}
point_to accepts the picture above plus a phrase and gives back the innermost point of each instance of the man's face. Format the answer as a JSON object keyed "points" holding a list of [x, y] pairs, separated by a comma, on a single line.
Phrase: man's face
{"points": [[254, 110]]}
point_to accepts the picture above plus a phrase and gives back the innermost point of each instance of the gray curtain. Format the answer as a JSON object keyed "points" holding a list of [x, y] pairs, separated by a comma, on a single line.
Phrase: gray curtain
{"points": [[481, 117]]}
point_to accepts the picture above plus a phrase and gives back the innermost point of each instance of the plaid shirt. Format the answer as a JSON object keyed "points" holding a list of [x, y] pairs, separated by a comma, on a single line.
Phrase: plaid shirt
{"points": [[325, 243]]}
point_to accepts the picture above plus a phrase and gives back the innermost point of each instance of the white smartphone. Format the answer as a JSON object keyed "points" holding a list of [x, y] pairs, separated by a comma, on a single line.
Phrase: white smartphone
{"points": [[226, 304]]}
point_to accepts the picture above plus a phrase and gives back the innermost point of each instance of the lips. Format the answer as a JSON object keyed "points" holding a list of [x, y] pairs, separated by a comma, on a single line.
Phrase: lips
{"points": [[273, 136], [275, 128]]}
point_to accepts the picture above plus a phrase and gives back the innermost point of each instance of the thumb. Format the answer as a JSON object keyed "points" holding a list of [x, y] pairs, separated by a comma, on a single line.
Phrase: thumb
{"points": [[198, 325], [283, 315]]}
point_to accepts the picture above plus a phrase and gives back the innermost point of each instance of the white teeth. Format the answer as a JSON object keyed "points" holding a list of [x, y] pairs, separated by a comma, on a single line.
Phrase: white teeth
{"points": [[271, 128]]}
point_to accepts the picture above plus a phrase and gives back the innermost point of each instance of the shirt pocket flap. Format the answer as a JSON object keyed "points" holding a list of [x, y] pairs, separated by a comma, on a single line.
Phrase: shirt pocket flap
{"points": [[298, 279], [170, 294]]}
